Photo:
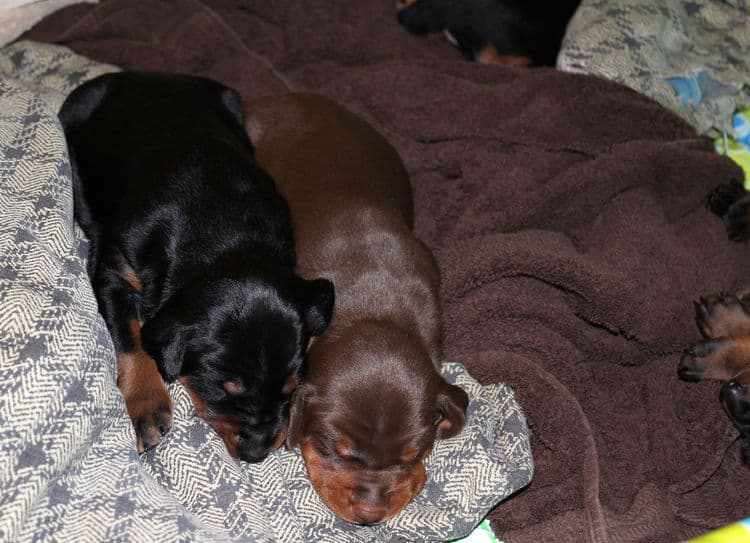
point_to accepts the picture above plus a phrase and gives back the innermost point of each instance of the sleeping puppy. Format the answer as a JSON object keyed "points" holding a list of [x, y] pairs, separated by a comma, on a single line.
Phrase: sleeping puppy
{"points": [[191, 256], [724, 355], [513, 32], [373, 401]]}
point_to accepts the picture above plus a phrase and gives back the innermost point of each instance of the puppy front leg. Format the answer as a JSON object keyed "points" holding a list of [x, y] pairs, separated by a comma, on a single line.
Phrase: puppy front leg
{"points": [[146, 397], [722, 315], [719, 359]]}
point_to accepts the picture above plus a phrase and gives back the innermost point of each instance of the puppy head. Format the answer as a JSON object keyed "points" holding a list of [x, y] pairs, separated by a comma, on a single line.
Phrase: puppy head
{"points": [[238, 344], [735, 398], [421, 16], [366, 418]]}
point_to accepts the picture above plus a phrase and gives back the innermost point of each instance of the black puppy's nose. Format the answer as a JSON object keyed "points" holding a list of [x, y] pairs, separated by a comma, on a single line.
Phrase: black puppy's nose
{"points": [[256, 448]]}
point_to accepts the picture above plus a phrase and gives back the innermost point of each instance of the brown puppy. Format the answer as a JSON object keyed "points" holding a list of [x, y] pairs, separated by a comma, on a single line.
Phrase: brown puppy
{"points": [[373, 401]]}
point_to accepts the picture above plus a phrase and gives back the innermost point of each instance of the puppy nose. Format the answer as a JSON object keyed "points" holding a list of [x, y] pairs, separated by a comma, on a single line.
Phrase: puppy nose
{"points": [[369, 514]]}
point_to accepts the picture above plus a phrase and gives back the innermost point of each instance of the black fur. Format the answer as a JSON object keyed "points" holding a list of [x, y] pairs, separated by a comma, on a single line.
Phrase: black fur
{"points": [[166, 182], [521, 28], [731, 202]]}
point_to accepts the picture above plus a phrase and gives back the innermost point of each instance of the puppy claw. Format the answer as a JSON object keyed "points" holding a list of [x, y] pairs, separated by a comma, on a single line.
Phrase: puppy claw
{"points": [[689, 368], [694, 364], [151, 419], [151, 430]]}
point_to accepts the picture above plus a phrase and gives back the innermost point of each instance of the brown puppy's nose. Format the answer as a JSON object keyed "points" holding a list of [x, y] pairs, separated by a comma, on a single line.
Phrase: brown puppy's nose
{"points": [[369, 514]]}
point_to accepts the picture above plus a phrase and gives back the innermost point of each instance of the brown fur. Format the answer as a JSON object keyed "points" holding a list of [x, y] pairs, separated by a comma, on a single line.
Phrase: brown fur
{"points": [[489, 54], [146, 396], [373, 401]]}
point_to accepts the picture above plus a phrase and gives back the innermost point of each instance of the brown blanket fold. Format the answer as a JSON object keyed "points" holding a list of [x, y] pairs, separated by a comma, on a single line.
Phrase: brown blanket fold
{"points": [[567, 215]]}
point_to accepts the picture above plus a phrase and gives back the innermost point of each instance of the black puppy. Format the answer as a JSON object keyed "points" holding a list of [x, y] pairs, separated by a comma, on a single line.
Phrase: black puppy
{"points": [[192, 256], [515, 32]]}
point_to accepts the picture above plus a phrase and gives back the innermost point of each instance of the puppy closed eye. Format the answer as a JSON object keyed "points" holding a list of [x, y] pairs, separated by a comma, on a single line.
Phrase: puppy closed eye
{"points": [[345, 451], [343, 448], [234, 387]]}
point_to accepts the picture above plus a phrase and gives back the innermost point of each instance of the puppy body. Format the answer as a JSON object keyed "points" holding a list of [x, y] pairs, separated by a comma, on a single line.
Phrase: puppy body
{"points": [[373, 401], [514, 32], [191, 257]]}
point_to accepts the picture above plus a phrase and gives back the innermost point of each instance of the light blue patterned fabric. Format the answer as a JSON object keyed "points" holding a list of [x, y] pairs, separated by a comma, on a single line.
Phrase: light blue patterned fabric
{"points": [[691, 56]]}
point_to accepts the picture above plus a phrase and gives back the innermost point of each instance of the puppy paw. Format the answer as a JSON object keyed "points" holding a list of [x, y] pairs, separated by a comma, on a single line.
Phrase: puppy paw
{"points": [[720, 359], [721, 315], [151, 413], [723, 196], [693, 365], [146, 398]]}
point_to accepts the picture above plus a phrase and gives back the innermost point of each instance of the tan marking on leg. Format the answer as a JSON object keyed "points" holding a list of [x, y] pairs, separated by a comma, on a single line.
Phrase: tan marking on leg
{"points": [[127, 272], [146, 397], [490, 55], [401, 4]]}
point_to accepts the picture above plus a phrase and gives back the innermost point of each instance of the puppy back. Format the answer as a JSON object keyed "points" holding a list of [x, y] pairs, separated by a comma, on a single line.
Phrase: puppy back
{"points": [[336, 152]]}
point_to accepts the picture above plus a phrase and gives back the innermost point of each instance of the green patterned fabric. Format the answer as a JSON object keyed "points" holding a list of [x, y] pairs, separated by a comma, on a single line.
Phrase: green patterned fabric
{"points": [[737, 146], [691, 56]]}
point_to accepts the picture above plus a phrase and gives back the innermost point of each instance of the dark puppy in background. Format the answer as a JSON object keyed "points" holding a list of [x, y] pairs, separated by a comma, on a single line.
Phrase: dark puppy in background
{"points": [[374, 401], [191, 256], [512, 32], [724, 322]]}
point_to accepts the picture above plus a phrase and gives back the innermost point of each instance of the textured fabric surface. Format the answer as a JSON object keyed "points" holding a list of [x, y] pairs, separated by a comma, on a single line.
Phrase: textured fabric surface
{"points": [[567, 216], [69, 470], [689, 55], [17, 16]]}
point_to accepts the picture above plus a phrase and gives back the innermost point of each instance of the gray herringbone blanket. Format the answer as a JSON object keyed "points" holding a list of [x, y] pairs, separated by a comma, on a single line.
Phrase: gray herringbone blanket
{"points": [[69, 470]]}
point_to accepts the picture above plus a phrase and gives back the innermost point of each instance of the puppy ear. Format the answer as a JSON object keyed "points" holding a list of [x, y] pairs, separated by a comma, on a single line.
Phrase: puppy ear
{"points": [[300, 397], [233, 102], [165, 338], [318, 299], [452, 404]]}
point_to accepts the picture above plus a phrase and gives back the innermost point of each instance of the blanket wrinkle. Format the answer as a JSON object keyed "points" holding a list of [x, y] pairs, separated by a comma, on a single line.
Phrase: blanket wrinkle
{"points": [[221, 22]]}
